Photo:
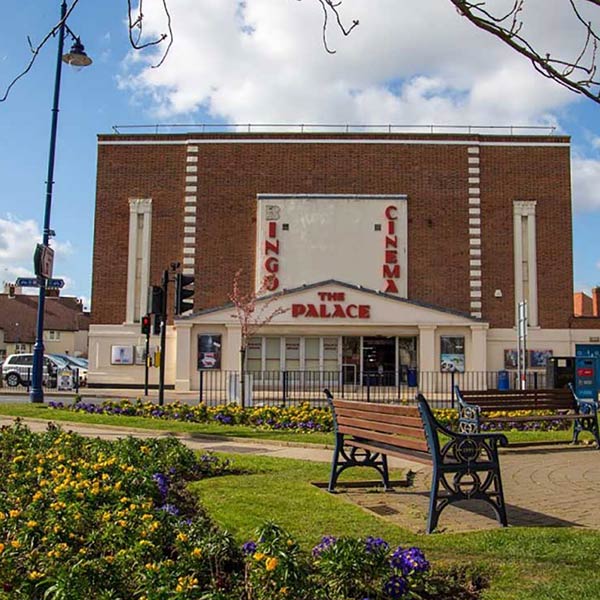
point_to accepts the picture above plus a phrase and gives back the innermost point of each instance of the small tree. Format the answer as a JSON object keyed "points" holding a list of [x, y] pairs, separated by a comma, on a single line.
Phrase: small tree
{"points": [[252, 317]]}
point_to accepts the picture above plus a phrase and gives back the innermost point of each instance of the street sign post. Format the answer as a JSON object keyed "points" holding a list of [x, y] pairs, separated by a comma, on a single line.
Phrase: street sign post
{"points": [[55, 284]]}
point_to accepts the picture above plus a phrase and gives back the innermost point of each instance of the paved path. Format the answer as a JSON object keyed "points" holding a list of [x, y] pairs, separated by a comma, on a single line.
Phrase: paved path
{"points": [[552, 486], [557, 486]]}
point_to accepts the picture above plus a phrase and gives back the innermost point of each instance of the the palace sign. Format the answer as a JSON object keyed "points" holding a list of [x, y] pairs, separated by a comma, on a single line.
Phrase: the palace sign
{"points": [[331, 305]]}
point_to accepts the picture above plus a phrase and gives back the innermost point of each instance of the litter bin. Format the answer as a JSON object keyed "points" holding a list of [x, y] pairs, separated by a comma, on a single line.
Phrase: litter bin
{"points": [[411, 377], [503, 381]]}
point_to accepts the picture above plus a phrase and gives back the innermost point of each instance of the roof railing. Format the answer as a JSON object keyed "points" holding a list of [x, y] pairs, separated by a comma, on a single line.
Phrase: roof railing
{"points": [[339, 128]]}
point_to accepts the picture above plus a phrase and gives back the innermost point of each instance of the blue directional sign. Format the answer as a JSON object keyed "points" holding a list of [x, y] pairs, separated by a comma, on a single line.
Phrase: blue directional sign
{"points": [[55, 283], [27, 282], [34, 282]]}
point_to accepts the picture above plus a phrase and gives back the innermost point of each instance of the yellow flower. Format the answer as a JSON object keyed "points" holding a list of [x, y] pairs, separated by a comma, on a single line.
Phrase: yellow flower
{"points": [[258, 556], [271, 563], [35, 575], [15, 544], [1, 548], [32, 524], [196, 552], [14, 513], [182, 537]]}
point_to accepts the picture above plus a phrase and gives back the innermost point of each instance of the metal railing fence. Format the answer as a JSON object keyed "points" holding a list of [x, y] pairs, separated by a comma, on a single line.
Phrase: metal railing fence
{"points": [[288, 388]]}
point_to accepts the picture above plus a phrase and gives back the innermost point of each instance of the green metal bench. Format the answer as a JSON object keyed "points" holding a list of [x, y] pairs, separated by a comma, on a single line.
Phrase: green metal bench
{"points": [[479, 407], [465, 466]]}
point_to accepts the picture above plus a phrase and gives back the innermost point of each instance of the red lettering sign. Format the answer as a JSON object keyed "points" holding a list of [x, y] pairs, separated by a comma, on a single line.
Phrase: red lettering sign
{"points": [[391, 271], [272, 229], [391, 268], [271, 282], [271, 247], [335, 311], [391, 213], [271, 264]]}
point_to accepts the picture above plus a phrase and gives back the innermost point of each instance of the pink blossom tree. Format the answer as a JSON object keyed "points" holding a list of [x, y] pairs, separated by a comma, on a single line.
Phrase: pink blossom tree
{"points": [[253, 313]]}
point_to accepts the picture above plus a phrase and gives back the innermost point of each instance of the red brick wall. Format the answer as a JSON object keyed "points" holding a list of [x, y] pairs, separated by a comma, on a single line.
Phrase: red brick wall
{"points": [[434, 176], [124, 173], [524, 173], [583, 305]]}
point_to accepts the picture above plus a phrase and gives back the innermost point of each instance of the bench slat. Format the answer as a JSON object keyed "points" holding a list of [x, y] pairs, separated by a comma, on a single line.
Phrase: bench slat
{"points": [[381, 418], [383, 427], [524, 406], [415, 455], [384, 438], [376, 407], [570, 417]]}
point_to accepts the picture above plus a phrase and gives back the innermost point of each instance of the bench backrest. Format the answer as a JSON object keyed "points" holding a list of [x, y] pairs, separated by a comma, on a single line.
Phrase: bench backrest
{"points": [[502, 400], [393, 425]]}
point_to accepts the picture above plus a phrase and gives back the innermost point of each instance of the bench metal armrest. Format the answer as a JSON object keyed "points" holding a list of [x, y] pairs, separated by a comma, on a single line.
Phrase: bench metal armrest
{"points": [[587, 406], [468, 414]]}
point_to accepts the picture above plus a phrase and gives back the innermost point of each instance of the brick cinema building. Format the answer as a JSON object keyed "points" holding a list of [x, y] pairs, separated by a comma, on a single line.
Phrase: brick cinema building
{"points": [[390, 251]]}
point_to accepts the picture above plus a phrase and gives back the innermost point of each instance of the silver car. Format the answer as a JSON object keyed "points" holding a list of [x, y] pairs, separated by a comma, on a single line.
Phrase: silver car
{"points": [[17, 368]]}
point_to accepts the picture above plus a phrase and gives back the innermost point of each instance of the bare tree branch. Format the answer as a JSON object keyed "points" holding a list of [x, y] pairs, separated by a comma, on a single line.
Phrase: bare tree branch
{"points": [[35, 51], [135, 36], [331, 6], [578, 74]]}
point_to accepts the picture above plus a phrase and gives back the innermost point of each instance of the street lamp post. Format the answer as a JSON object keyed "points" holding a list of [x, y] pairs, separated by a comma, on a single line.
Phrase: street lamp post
{"points": [[77, 58]]}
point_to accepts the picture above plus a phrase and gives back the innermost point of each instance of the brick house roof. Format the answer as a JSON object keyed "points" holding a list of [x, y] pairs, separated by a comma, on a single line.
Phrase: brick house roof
{"points": [[18, 316]]}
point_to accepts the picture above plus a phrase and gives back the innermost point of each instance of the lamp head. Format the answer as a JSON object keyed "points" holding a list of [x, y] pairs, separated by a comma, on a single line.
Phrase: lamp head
{"points": [[77, 56]]}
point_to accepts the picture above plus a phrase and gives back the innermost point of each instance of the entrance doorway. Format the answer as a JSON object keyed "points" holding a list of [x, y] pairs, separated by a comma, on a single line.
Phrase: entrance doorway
{"points": [[379, 360]]}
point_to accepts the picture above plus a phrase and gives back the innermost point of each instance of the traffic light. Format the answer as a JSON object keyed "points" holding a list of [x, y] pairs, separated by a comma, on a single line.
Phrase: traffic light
{"points": [[146, 324], [183, 294], [157, 323], [155, 300]]}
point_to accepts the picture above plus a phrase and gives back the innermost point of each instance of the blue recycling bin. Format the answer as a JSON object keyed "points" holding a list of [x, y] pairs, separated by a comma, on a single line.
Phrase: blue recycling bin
{"points": [[503, 381], [411, 377]]}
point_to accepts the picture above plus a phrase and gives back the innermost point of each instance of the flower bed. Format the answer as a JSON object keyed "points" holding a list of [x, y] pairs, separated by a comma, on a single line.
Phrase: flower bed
{"points": [[295, 418], [301, 418], [87, 518]]}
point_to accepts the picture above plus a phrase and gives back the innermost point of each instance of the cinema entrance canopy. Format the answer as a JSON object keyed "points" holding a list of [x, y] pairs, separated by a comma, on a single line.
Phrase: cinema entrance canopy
{"points": [[332, 326]]}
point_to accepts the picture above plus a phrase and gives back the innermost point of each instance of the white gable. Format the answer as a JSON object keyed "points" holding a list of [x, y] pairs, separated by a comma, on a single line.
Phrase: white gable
{"points": [[336, 303]]}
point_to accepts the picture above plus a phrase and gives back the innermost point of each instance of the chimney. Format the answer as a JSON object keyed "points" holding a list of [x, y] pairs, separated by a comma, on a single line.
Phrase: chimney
{"points": [[11, 290], [596, 302]]}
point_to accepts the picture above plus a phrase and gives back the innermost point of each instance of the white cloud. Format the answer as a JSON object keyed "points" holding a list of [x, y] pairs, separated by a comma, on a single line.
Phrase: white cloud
{"points": [[17, 244], [586, 184], [263, 61]]}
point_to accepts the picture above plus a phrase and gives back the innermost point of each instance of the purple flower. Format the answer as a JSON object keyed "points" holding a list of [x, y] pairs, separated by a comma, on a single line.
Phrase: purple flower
{"points": [[326, 542], [170, 509], [408, 561], [395, 586], [162, 482], [374, 545], [249, 547]]}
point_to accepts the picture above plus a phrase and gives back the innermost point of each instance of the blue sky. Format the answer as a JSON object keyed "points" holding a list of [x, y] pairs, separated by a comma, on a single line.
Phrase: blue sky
{"points": [[262, 61]]}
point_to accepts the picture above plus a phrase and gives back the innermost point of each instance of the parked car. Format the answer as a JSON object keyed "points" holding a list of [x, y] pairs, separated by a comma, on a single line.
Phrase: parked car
{"points": [[16, 369], [76, 363]]}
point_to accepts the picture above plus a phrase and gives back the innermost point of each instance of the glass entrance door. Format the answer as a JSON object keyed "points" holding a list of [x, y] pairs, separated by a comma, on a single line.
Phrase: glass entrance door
{"points": [[379, 360]]}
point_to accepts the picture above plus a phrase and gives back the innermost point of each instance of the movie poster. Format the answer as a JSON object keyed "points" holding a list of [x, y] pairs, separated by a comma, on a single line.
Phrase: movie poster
{"points": [[452, 354], [209, 352]]}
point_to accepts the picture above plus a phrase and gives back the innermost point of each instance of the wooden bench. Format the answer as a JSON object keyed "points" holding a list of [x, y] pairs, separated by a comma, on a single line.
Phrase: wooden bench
{"points": [[475, 407], [465, 466]]}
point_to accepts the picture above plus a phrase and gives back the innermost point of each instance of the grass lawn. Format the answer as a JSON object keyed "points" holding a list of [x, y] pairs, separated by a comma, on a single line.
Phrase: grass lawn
{"points": [[37, 411], [527, 563]]}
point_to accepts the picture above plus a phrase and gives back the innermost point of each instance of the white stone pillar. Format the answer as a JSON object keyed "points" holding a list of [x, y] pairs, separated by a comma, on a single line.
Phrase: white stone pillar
{"points": [[183, 368], [477, 361], [532, 268], [427, 353], [231, 348]]}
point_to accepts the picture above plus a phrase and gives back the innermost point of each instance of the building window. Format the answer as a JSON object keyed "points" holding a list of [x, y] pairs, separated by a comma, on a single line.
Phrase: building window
{"points": [[51, 335], [525, 245], [20, 348], [138, 265]]}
